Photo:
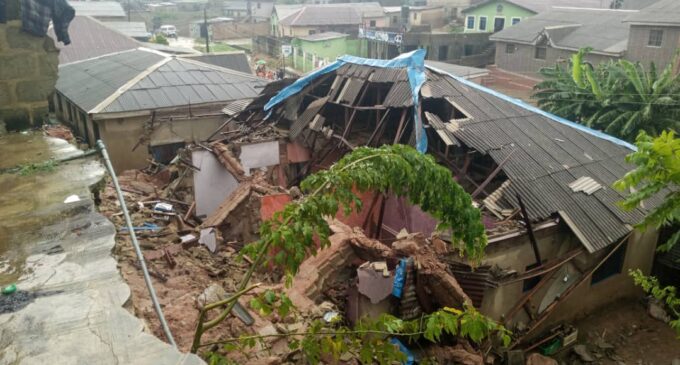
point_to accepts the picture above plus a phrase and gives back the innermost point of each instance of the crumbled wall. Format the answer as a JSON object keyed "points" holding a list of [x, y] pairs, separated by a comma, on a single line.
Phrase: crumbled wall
{"points": [[28, 73]]}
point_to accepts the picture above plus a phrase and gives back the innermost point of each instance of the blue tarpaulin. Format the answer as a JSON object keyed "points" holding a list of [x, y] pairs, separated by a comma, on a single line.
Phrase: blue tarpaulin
{"points": [[414, 62]]}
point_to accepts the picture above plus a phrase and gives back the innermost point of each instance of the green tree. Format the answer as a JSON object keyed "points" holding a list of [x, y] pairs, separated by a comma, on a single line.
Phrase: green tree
{"points": [[301, 229], [159, 39], [657, 172], [622, 98]]}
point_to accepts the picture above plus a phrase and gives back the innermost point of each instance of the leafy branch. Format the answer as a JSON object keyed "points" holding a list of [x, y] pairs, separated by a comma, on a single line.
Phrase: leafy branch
{"points": [[373, 340], [657, 172], [301, 229], [667, 295]]}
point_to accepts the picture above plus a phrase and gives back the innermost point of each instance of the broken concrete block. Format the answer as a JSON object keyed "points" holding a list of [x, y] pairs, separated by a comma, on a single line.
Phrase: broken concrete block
{"points": [[656, 311], [583, 353], [211, 294], [373, 284]]}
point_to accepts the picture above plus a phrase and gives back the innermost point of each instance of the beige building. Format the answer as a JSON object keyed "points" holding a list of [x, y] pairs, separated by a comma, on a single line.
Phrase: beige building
{"points": [[304, 20], [145, 104]]}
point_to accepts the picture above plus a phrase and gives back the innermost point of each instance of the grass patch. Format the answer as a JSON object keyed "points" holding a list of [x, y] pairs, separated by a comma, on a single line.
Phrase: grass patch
{"points": [[37, 167], [214, 47]]}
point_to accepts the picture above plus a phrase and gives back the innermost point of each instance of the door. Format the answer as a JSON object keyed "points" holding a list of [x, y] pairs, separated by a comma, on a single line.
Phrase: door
{"points": [[498, 24]]}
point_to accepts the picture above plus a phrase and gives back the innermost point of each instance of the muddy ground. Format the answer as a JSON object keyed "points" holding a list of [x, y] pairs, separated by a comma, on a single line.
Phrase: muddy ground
{"points": [[636, 337]]}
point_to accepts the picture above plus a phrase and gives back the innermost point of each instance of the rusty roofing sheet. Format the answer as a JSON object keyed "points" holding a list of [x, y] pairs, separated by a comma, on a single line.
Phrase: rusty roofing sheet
{"points": [[306, 117], [440, 127], [388, 75], [399, 95], [352, 90]]}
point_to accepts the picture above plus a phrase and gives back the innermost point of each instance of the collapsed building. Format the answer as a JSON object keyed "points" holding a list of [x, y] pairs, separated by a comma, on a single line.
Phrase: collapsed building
{"points": [[559, 245]]}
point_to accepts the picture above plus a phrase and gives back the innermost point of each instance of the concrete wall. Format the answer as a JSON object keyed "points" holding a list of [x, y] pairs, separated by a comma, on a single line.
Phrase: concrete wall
{"points": [[307, 55], [380, 21], [640, 51], [447, 47], [490, 11], [121, 135], [233, 30], [523, 61], [433, 17], [28, 73], [517, 253], [287, 31]]}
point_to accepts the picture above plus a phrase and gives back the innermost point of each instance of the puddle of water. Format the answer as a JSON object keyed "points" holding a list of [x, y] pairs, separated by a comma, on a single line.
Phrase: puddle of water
{"points": [[30, 203]]}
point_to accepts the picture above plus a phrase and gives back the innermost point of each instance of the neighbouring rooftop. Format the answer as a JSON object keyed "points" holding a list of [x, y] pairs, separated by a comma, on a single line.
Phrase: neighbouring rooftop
{"points": [[570, 28], [104, 9], [143, 79], [663, 12], [91, 38]]}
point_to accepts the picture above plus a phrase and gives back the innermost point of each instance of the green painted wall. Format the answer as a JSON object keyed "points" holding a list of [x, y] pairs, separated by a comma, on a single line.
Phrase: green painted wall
{"points": [[306, 52], [490, 11]]}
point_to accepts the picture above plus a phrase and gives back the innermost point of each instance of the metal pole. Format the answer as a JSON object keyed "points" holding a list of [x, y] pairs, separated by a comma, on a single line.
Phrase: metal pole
{"points": [[135, 243], [207, 32]]}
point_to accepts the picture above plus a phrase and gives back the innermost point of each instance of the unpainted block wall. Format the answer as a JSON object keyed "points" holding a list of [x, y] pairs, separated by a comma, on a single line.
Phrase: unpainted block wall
{"points": [[28, 73]]}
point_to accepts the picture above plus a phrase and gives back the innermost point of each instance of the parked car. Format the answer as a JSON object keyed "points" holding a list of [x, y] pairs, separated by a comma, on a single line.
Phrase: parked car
{"points": [[169, 31]]}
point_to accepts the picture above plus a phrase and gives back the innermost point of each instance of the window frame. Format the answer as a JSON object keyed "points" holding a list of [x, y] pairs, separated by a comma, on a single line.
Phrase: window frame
{"points": [[510, 46], [545, 53], [513, 22], [486, 22], [611, 267], [467, 22], [660, 38], [494, 23], [371, 23]]}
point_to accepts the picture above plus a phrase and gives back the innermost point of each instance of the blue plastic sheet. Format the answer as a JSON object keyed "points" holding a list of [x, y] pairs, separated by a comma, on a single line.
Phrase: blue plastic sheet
{"points": [[414, 62], [399, 278], [410, 359]]}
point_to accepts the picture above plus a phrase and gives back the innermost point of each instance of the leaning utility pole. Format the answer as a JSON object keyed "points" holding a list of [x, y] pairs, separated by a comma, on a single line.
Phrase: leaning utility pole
{"points": [[207, 32]]}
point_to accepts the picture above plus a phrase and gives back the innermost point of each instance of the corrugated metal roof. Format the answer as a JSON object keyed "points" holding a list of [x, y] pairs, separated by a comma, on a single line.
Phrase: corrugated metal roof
{"points": [[237, 61], [323, 15], [554, 167], [399, 95], [603, 30], [236, 107], [91, 38], [306, 117], [161, 81], [130, 29], [660, 12], [585, 184], [104, 9]]}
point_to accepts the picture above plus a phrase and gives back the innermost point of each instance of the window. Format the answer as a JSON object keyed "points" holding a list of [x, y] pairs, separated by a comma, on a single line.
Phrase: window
{"points": [[655, 38], [509, 48], [515, 20], [611, 267], [470, 22], [540, 53], [482, 23], [499, 8], [259, 6], [443, 53], [415, 16], [468, 49], [372, 23], [395, 19], [312, 31]]}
